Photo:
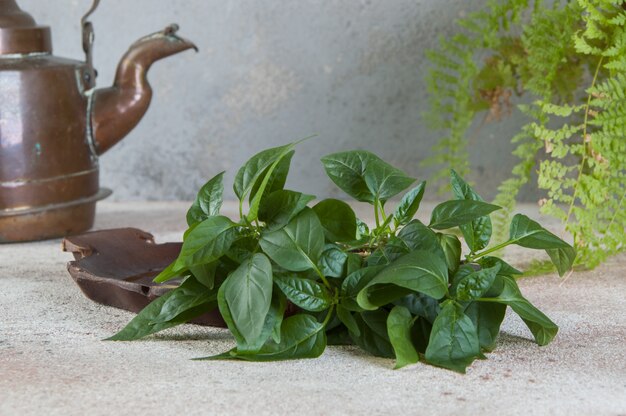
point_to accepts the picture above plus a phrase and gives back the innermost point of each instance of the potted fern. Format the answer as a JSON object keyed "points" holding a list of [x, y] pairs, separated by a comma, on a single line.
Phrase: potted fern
{"points": [[567, 58]]}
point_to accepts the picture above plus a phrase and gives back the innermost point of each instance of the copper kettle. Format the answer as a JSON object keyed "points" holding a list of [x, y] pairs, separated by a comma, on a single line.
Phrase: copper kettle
{"points": [[54, 125]]}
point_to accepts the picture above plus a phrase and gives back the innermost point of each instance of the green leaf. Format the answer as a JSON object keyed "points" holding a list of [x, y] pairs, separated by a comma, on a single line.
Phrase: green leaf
{"points": [[301, 336], [332, 261], [542, 328], [170, 272], [267, 179], [280, 207], [373, 336], [453, 340], [297, 246], [208, 201], [347, 171], [562, 258], [418, 271], [230, 323], [393, 249], [417, 236], [365, 176], [208, 241], [277, 313], [188, 296], [380, 295], [505, 268], [353, 263], [189, 230], [277, 177], [247, 296], [461, 189], [477, 233], [421, 305], [487, 318], [476, 284], [362, 230], [452, 250], [409, 205], [345, 316], [242, 249], [383, 180], [338, 220], [399, 324], [455, 213], [354, 283], [271, 326], [178, 306], [528, 233], [195, 214], [256, 167], [304, 293], [205, 273], [463, 271]]}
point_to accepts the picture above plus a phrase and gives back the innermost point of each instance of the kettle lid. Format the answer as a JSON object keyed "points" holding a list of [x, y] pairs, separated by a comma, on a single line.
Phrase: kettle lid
{"points": [[19, 33]]}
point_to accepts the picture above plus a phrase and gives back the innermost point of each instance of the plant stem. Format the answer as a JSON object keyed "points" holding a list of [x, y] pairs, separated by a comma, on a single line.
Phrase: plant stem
{"points": [[376, 203], [583, 159], [330, 313], [382, 211], [490, 250], [357, 248]]}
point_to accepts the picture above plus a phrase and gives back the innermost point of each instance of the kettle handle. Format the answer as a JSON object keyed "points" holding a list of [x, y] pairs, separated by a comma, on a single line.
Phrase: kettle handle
{"points": [[88, 39]]}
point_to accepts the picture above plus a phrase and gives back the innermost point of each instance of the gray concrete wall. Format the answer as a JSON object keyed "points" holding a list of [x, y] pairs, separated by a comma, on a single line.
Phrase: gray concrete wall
{"points": [[269, 72]]}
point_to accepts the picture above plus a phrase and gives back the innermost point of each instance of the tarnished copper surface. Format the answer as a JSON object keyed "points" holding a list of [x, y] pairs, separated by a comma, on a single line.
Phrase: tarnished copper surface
{"points": [[118, 109], [53, 125], [13, 16], [45, 222]]}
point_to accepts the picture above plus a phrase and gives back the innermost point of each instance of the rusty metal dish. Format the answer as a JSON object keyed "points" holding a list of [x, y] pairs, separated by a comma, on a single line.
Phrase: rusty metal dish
{"points": [[116, 267]]}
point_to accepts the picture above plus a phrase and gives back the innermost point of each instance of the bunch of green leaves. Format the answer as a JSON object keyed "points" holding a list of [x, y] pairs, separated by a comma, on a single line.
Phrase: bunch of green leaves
{"points": [[402, 289], [569, 58]]}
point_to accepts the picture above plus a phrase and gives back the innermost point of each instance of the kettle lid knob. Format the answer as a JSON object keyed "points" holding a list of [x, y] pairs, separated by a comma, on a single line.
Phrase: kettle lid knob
{"points": [[19, 33]]}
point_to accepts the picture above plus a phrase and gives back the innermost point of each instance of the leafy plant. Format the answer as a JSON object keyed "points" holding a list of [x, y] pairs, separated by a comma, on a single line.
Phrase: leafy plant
{"points": [[569, 57], [402, 289]]}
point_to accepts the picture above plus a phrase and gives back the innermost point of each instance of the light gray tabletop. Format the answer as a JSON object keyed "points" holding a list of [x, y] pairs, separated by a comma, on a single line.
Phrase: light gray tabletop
{"points": [[53, 362]]}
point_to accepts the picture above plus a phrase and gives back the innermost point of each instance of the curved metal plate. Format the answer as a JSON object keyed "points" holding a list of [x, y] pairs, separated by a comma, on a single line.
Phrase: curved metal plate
{"points": [[116, 268]]}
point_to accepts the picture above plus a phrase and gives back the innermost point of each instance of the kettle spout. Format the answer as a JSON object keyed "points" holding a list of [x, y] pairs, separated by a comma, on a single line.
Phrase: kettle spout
{"points": [[116, 110]]}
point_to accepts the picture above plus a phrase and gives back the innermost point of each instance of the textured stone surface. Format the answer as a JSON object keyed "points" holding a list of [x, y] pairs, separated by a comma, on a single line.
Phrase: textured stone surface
{"points": [[269, 72], [53, 362]]}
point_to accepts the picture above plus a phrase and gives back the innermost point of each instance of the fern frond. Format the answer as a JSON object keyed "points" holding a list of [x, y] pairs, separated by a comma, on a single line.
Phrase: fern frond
{"points": [[579, 132]]}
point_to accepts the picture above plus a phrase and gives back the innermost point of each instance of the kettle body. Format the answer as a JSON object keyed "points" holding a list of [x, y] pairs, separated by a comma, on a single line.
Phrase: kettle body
{"points": [[48, 170]]}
